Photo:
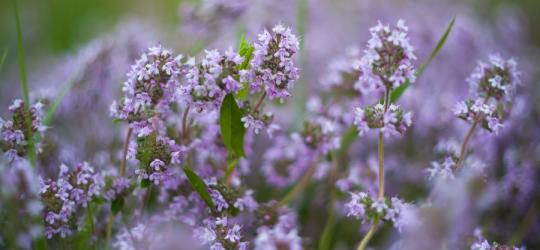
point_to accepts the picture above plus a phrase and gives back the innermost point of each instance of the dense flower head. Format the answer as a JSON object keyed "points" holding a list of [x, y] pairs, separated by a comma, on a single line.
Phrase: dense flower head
{"points": [[272, 66], [364, 207], [276, 228], [485, 114], [393, 121], [221, 233], [149, 88], [14, 133], [496, 79], [388, 59], [155, 154], [210, 80], [230, 197], [63, 197]]}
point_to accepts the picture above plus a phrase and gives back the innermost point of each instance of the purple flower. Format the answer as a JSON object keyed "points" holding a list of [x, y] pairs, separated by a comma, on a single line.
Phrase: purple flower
{"points": [[387, 61], [272, 66]]}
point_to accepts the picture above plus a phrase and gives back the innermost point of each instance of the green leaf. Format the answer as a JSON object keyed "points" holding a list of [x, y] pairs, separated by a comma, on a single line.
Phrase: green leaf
{"points": [[199, 186], [3, 58], [396, 93], [231, 166], [145, 183], [245, 50], [231, 126], [117, 205], [24, 82]]}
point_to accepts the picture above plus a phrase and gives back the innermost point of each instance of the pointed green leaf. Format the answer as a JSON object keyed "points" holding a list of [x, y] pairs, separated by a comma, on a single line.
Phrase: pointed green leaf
{"points": [[3, 58], [24, 82], [199, 186], [231, 126]]}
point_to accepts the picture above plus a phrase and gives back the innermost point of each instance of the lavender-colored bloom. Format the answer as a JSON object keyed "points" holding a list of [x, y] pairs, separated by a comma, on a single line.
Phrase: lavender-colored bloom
{"points": [[272, 66], [391, 122], [63, 197], [387, 61], [208, 82], [14, 133], [498, 78], [356, 206], [149, 89]]}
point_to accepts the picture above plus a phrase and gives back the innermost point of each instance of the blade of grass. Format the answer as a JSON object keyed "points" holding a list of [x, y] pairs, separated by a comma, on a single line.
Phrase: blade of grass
{"points": [[3, 58], [24, 83], [20, 55], [396, 93]]}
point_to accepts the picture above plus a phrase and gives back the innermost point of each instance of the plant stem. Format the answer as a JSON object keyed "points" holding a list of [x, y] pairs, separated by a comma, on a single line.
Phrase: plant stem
{"points": [[124, 156], [468, 137], [380, 150], [300, 186], [110, 222], [369, 235], [465, 142], [185, 132], [381, 147], [381, 165], [259, 102]]}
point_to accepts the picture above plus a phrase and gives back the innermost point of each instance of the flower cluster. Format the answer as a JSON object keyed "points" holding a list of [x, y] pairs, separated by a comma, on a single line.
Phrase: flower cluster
{"points": [[387, 61], [392, 121], [209, 81], [272, 66], [482, 244], [14, 134], [221, 234], [479, 111], [225, 197], [363, 207], [149, 89], [496, 79], [492, 86], [62, 197], [277, 228], [155, 154]]}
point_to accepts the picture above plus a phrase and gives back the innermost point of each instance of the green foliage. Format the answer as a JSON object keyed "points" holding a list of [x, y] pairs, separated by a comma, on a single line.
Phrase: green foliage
{"points": [[3, 58], [231, 126], [117, 205], [245, 50], [24, 83], [199, 186]]}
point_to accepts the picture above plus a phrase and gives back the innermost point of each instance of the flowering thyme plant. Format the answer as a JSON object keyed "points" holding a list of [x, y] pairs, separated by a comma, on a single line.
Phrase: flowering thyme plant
{"points": [[278, 142]]}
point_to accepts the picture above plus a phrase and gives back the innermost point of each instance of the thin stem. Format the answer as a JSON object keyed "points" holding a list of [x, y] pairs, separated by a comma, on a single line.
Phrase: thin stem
{"points": [[147, 200], [259, 102], [124, 156], [380, 148], [468, 137], [465, 142], [185, 131], [381, 165], [110, 222], [91, 218], [369, 235], [300, 186]]}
